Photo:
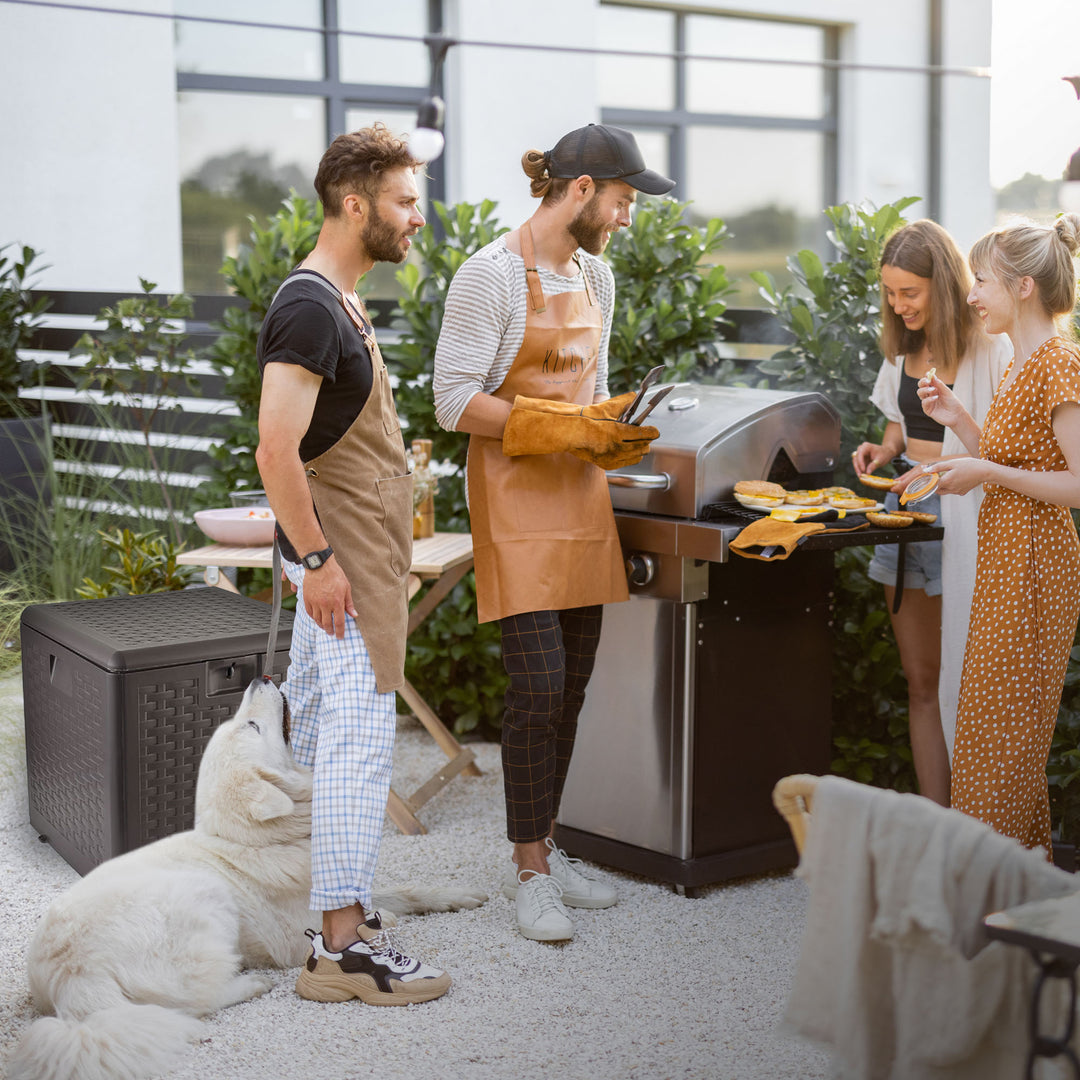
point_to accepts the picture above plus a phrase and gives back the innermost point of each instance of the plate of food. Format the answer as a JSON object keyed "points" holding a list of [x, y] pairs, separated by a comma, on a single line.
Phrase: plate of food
{"points": [[242, 526]]}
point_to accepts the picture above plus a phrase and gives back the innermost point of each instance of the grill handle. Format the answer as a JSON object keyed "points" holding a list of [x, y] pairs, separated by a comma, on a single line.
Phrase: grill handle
{"points": [[646, 481]]}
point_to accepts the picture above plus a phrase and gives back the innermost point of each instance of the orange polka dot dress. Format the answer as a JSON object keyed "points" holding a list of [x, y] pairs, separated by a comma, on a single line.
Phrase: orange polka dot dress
{"points": [[1024, 611]]}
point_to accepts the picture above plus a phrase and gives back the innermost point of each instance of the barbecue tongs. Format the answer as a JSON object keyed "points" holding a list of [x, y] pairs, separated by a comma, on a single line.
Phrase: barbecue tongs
{"points": [[650, 378]]}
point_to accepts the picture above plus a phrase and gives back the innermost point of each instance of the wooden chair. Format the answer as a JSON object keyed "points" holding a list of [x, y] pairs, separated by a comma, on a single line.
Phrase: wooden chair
{"points": [[793, 796]]}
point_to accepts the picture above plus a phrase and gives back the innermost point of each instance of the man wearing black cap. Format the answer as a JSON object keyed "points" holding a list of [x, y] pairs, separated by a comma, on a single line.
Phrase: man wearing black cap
{"points": [[521, 365]]}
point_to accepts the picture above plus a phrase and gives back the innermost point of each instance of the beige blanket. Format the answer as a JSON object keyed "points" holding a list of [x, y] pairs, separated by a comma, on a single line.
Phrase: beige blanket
{"points": [[895, 973]]}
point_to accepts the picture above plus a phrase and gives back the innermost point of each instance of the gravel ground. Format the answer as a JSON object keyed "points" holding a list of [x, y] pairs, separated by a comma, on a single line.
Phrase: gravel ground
{"points": [[660, 986]]}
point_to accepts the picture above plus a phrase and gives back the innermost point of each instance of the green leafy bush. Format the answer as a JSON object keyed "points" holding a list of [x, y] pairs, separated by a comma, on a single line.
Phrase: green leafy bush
{"points": [[833, 309], [669, 297], [255, 273], [140, 329], [19, 314], [453, 661], [141, 563]]}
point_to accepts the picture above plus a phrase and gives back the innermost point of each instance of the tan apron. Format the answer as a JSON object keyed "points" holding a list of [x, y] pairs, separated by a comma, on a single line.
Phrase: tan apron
{"points": [[544, 536], [362, 490]]}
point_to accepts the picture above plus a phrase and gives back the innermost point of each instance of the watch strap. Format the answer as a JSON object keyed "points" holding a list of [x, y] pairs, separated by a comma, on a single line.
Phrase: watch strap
{"points": [[314, 559]]}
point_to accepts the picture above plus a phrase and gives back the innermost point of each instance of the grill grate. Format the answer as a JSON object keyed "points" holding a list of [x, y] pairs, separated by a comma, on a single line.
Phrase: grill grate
{"points": [[724, 511]]}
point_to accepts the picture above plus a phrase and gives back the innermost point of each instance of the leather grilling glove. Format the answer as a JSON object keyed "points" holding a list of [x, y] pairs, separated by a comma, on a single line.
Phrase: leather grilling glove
{"points": [[589, 432]]}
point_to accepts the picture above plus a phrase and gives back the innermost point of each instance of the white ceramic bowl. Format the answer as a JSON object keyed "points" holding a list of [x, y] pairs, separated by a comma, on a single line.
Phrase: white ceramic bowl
{"points": [[238, 525]]}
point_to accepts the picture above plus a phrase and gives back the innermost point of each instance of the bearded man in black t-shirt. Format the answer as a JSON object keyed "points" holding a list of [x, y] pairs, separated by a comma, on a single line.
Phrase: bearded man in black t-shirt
{"points": [[332, 461]]}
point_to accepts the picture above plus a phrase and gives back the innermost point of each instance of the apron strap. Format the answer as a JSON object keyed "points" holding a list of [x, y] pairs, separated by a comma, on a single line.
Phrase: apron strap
{"points": [[585, 278], [532, 271]]}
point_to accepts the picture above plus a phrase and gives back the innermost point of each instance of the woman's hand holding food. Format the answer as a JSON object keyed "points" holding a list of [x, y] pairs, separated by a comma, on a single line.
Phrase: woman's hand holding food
{"points": [[938, 401], [959, 474], [868, 456]]}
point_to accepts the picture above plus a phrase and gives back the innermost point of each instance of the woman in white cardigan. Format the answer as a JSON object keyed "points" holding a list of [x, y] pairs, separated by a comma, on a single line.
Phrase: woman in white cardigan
{"points": [[927, 323]]}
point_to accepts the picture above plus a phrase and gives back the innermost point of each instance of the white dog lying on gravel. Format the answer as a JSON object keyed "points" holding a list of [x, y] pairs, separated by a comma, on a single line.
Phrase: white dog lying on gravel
{"points": [[129, 956]]}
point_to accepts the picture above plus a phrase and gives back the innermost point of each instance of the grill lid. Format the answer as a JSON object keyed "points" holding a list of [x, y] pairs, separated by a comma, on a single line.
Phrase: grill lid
{"points": [[713, 436]]}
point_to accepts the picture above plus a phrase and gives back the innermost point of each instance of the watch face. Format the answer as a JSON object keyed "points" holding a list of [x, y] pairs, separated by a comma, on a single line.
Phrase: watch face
{"points": [[313, 562]]}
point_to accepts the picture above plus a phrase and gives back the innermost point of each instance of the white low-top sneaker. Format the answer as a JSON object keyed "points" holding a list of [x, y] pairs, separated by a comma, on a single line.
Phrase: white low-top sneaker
{"points": [[539, 908], [577, 889]]}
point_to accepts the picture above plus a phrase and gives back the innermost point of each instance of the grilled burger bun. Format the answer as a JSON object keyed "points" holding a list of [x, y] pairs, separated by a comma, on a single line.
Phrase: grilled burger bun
{"points": [[838, 492], [760, 488], [805, 498], [882, 483], [851, 504], [889, 521], [918, 516]]}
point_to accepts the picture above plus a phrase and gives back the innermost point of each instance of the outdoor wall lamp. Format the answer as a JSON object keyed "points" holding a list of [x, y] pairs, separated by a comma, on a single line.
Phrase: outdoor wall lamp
{"points": [[427, 141]]}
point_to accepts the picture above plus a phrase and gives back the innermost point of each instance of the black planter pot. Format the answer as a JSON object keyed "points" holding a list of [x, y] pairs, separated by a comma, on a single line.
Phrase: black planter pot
{"points": [[23, 487]]}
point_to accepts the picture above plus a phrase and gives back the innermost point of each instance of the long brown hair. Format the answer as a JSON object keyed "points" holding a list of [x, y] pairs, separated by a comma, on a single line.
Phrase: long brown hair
{"points": [[926, 250]]}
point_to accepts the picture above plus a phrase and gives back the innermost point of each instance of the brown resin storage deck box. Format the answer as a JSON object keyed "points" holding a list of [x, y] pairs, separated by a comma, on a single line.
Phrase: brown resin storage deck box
{"points": [[120, 698]]}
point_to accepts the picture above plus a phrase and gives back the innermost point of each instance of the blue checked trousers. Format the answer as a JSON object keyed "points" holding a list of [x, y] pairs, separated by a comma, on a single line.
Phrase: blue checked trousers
{"points": [[343, 728]]}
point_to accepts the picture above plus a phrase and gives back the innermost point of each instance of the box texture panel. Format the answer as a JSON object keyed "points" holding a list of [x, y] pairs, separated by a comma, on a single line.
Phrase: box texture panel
{"points": [[121, 697]]}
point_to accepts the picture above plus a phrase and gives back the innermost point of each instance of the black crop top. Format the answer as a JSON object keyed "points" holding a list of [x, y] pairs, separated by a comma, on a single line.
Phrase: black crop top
{"points": [[918, 424]]}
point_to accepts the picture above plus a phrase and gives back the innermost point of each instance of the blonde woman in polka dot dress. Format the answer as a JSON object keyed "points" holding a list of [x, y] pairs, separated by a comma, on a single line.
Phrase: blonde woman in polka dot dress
{"points": [[1027, 588]]}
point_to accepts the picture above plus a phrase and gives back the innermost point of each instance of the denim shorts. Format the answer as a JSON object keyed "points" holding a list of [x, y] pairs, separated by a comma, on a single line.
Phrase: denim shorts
{"points": [[922, 560]]}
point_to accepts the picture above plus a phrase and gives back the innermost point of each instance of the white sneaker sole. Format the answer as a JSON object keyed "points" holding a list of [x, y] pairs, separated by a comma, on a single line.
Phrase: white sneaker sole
{"points": [[535, 933]]}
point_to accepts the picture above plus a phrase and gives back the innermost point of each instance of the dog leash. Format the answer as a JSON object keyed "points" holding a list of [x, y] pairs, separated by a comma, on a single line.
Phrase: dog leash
{"points": [[275, 614]]}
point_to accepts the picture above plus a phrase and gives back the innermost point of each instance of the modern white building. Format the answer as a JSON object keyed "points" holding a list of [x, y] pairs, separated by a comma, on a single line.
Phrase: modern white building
{"points": [[136, 136]]}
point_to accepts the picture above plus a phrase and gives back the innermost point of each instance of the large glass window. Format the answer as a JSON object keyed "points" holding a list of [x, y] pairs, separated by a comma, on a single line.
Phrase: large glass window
{"points": [[378, 60], [258, 105], [752, 143], [240, 155], [215, 48]]}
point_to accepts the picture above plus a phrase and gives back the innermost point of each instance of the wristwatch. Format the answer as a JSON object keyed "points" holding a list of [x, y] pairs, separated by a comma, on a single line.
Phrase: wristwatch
{"points": [[314, 559]]}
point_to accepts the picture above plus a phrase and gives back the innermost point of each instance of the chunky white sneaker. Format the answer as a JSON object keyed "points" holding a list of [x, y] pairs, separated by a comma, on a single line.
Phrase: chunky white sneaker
{"points": [[540, 912], [577, 889], [373, 968]]}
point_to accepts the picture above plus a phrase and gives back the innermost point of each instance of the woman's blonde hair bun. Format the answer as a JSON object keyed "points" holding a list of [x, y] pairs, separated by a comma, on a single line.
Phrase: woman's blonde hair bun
{"points": [[1067, 227]]}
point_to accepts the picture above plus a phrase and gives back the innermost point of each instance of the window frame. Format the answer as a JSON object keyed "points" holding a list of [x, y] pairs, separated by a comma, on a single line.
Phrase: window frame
{"points": [[675, 122], [338, 96]]}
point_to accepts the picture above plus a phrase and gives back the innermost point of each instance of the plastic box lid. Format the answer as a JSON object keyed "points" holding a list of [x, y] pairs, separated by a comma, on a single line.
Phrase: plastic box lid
{"points": [[134, 633]]}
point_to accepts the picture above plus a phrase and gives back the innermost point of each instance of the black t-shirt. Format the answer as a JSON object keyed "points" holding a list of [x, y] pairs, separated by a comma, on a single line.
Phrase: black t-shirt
{"points": [[308, 326]]}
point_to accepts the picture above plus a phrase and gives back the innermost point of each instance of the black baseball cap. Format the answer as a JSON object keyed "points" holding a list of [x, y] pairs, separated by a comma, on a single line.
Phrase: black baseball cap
{"points": [[605, 153]]}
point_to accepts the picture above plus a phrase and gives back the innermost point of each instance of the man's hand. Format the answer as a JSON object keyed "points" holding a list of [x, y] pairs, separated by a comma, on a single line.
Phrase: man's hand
{"points": [[328, 597]]}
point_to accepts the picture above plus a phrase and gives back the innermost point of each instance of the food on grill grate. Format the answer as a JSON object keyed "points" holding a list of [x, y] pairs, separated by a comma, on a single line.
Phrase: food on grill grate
{"points": [[882, 483], [805, 498], [919, 516], [855, 503], [758, 502], [889, 521], [760, 488]]}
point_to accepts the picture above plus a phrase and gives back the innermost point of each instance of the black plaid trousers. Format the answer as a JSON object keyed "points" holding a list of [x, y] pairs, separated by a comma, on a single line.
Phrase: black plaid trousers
{"points": [[549, 657]]}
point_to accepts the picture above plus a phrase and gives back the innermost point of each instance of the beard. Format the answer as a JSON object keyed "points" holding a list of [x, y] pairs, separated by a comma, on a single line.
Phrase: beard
{"points": [[589, 228], [381, 240]]}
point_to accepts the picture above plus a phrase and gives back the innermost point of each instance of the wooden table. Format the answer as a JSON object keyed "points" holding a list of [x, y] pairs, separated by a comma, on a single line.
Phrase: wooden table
{"points": [[443, 559], [1050, 931]]}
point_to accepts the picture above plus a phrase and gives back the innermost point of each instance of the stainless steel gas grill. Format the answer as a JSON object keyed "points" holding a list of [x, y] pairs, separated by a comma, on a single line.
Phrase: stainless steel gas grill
{"points": [[714, 680]]}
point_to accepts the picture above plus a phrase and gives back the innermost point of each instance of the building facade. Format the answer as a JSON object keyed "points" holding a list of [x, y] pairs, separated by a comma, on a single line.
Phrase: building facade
{"points": [[138, 137]]}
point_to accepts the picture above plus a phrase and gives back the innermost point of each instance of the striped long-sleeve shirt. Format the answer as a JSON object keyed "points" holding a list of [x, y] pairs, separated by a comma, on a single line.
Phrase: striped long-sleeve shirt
{"points": [[484, 324]]}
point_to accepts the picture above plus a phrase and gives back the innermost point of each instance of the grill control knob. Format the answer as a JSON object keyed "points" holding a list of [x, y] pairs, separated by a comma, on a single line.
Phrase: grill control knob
{"points": [[640, 569]]}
